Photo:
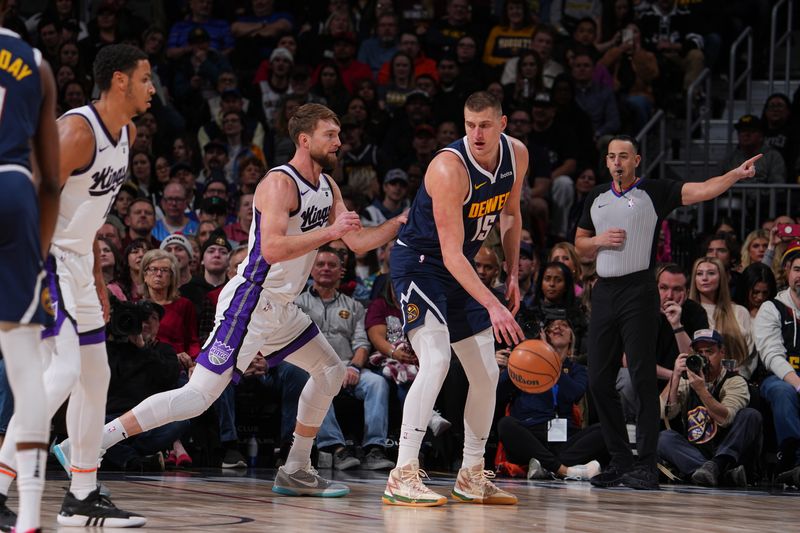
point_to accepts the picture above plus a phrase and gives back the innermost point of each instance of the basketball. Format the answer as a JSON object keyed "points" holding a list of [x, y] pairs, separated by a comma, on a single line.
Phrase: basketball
{"points": [[534, 366]]}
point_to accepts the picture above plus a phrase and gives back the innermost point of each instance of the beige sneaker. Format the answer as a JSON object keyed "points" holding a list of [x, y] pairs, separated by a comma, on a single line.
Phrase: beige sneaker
{"points": [[473, 485], [405, 487]]}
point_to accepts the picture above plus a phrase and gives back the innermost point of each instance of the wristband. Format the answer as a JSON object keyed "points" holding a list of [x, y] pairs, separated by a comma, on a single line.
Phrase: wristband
{"points": [[679, 330], [354, 367]]}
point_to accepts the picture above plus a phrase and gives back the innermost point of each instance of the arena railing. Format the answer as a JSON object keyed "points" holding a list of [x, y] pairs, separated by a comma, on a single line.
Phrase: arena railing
{"points": [[751, 204], [703, 120], [745, 77], [659, 155], [775, 42]]}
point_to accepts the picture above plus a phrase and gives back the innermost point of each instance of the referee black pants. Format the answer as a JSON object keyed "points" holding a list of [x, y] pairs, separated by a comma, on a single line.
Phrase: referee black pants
{"points": [[625, 320]]}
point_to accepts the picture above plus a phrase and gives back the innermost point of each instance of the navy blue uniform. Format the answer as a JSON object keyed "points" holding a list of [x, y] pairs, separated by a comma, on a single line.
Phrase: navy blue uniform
{"points": [[421, 281], [20, 250]]}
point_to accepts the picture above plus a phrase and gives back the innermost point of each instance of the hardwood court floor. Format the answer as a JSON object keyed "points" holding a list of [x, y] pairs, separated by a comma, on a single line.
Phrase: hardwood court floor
{"points": [[214, 500]]}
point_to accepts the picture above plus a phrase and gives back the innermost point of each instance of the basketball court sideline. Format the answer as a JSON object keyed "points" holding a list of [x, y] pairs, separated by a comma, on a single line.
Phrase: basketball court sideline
{"points": [[242, 501]]}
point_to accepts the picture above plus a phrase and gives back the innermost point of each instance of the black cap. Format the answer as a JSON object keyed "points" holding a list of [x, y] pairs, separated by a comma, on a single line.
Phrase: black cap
{"points": [[418, 95], [542, 100], [215, 144], [218, 238], [151, 307], [177, 167], [749, 123], [228, 93]]}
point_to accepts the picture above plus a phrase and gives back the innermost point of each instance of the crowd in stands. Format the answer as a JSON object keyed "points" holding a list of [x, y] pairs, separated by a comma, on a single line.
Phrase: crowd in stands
{"points": [[230, 75]]}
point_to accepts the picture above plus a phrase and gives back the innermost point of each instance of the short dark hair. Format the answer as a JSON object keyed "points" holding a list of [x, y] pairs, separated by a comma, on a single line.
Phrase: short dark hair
{"points": [[670, 268], [627, 139], [482, 100], [115, 58]]}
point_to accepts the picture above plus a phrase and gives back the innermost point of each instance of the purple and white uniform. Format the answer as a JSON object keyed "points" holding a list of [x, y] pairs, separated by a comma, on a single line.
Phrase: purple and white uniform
{"points": [[256, 310]]}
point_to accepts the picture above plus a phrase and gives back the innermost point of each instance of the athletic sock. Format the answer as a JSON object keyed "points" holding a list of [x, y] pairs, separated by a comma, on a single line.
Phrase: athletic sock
{"points": [[84, 481], [410, 442], [6, 477], [30, 485], [113, 432], [474, 449], [299, 453]]}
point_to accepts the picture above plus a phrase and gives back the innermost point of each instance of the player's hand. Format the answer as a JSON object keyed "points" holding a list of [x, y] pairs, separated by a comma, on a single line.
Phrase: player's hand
{"points": [[344, 224], [512, 295], [506, 330], [402, 218], [748, 168], [612, 238], [501, 356], [185, 360], [351, 377], [673, 313]]}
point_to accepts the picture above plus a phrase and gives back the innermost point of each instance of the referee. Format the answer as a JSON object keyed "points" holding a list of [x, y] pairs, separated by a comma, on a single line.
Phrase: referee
{"points": [[619, 227]]}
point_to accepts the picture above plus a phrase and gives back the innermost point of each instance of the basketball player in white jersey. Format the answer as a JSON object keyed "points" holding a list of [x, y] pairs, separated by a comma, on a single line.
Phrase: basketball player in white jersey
{"points": [[95, 143], [296, 210]]}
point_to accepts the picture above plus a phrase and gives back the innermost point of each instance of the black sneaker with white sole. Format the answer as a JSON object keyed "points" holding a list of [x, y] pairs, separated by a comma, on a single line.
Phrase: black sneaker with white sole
{"points": [[8, 518], [96, 510]]}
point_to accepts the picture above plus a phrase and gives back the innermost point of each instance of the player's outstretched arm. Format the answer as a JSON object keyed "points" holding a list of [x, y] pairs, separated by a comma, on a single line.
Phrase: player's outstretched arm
{"points": [[46, 157], [365, 239], [275, 199], [692, 193], [447, 183], [511, 227]]}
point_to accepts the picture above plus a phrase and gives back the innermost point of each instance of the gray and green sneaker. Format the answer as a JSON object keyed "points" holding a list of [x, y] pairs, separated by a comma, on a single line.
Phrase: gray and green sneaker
{"points": [[307, 482]]}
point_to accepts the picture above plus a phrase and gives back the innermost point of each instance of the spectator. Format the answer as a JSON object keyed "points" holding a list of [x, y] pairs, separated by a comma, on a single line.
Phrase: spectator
{"points": [[350, 68], [48, 32], [358, 158], [777, 337], [103, 30], [487, 266], [219, 31], [750, 133], [569, 112], [214, 259], [329, 86], [283, 147], [204, 231], [596, 100], [399, 83], [111, 230], [395, 200], [565, 253], [257, 32], [213, 209], [140, 222], [131, 273], [754, 248], [446, 133], [719, 431], [239, 230], [469, 61], [110, 264], [423, 147], [276, 85], [127, 192], [379, 49], [231, 100], [142, 174], [710, 289], [250, 173], [239, 143], [782, 133], [341, 319], [182, 249], [565, 14], [520, 93], [512, 36], [524, 431], [196, 74], [417, 110], [423, 65], [723, 246], [444, 33], [543, 42], [64, 11], [757, 285], [377, 119], [584, 183], [453, 90], [174, 203], [616, 16]]}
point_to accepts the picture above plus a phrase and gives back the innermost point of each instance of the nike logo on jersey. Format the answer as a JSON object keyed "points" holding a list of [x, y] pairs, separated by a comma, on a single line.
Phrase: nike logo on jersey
{"points": [[107, 181], [103, 148], [601, 205], [304, 192], [313, 217], [478, 186]]}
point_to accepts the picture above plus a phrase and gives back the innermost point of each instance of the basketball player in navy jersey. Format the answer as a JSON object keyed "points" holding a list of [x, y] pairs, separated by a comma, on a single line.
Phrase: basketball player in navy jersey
{"points": [[95, 143], [296, 209], [470, 185], [27, 113]]}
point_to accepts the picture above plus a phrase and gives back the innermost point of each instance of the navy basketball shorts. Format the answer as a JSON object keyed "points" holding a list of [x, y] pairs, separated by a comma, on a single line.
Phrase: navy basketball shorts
{"points": [[21, 266], [423, 285]]}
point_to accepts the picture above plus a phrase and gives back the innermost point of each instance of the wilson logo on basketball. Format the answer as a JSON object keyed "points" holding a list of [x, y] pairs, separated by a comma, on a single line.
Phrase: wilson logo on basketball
{"points": [[412, 312], [522, 380]]}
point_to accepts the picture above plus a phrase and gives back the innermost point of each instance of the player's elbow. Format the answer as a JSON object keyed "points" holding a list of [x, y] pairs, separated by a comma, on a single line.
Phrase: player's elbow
{"points": [[272, 252]]}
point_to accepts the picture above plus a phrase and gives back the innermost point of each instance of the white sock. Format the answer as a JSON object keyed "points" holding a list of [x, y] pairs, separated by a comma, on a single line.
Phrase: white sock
{"points": [[299, 453], [6, 477], [410, 442], [113, 432], [84, 481], [31, 464], [474, 448]]}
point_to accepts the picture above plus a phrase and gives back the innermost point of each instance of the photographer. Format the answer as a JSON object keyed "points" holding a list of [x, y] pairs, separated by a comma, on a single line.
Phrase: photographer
{"points": [[718, 430], [140, 367]]}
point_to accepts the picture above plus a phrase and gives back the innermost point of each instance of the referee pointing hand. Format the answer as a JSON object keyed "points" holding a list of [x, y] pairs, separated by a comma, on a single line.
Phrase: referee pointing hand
{"points": [[619, 227]]}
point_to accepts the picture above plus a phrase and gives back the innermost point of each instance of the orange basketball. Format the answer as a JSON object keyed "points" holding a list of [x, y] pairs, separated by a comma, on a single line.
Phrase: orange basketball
{"points": [[534, 366]]}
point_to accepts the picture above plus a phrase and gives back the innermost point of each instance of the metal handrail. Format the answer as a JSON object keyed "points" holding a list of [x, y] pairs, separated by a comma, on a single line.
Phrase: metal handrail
{"points": [[704, 117], [774, 192], [775, 42], [660, 119], [746, 76]]}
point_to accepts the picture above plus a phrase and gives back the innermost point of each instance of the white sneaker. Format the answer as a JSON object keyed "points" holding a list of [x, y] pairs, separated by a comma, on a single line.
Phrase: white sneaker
{"points": [[438, 424], [474, 485], [583, 472], [405, 487]]}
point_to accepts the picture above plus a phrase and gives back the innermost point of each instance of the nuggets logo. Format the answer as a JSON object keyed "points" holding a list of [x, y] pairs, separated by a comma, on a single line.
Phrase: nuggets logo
{"points": [[47, 302], [219, 353], [344, 313], [412, 312], [701, 427]]}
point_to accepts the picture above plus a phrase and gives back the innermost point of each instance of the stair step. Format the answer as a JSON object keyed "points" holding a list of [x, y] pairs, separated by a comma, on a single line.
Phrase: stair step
{"points": [[760, 89]]}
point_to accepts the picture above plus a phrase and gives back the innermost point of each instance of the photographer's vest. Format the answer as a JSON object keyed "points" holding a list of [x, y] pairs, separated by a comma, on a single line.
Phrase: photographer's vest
{"points": [[700, 428], [790, 329]]}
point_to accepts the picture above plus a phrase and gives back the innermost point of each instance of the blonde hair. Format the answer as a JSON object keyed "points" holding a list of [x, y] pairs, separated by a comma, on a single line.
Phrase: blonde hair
{"points": [[724, 316], [577, 274], [156, 255], [752, 236], [306, 117]]}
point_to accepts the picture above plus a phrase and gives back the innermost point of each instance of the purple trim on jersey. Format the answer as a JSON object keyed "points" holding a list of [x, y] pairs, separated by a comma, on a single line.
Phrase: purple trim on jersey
{"points": [[304, 338], [105, 129], [82, 170], [92, 337], [626, 191], [301, 178], [51, 283], [257, 267], [222, 350]]}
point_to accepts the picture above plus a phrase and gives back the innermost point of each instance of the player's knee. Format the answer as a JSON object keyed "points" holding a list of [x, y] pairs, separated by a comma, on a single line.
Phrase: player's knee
{"points": [[330, 377], [493, 373]]}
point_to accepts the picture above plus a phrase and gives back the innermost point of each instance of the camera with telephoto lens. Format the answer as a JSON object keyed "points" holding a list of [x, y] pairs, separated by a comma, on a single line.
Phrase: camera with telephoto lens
{"points": [[127, 318], [696, 363]]}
